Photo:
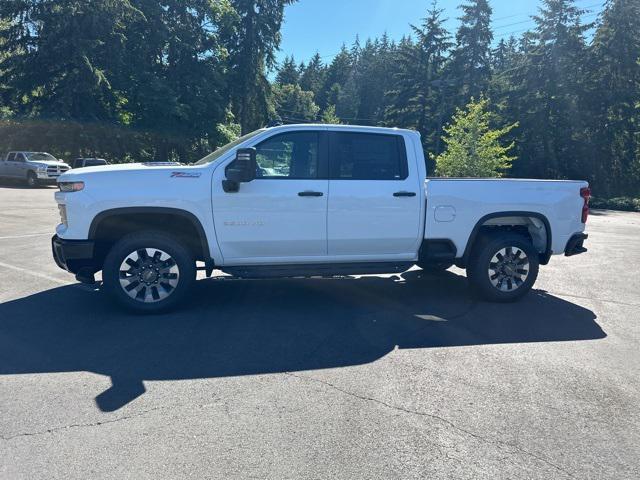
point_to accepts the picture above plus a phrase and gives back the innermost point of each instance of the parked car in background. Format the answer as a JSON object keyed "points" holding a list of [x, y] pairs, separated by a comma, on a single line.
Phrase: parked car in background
{"points": [[309, 200], [34, 168], [88, 162]]}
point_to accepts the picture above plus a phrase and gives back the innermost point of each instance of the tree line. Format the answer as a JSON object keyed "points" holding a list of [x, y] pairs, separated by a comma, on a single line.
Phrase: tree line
{"points": [[173, 79], [566, 92], [135, 79]]}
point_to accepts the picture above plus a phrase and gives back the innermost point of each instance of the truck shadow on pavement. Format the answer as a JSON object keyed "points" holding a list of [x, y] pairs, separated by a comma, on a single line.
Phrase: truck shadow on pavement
{"points": [[242, 327]]}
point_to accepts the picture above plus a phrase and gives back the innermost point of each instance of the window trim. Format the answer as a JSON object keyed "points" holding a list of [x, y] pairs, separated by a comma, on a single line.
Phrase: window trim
{"points": [[323, 153], [402, 156]]}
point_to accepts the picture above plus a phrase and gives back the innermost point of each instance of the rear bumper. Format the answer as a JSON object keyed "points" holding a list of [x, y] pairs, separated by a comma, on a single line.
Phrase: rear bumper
{"points": [[74, 255], [575, 245]]}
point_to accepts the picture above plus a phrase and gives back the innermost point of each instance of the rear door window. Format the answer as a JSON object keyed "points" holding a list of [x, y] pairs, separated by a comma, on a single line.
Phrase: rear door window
{"points": [[367, 156]]}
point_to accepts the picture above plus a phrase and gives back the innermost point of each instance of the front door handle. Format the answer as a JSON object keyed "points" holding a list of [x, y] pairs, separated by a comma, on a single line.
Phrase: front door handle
{"points": [[404, 194], [310, 194]]}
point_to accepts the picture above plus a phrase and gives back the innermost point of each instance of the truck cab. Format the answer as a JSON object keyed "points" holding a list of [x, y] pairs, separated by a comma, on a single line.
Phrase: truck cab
{"points": [[308, 200]]}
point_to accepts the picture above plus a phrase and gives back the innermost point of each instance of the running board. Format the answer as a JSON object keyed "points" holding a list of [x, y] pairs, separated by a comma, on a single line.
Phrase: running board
{"points": [[315, 270]]}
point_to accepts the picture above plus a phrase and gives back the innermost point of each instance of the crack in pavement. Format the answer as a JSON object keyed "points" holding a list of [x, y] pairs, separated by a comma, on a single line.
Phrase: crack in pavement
{"points": [[435, 417], [81, 425]]}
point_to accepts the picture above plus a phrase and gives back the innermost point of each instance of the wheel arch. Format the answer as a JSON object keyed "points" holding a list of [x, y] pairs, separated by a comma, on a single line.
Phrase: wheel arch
{"points": [[111, 224], [493, 220]]}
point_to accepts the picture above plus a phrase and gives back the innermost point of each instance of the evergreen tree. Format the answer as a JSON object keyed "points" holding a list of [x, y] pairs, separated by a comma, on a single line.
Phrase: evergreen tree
{"points": [[473, 148], [252, 51], [336, 76], [416, 100], [172, 73], [312, 77], [294, 104], [329, 116], [288, 73], [471, 62], [62, 54], [548, 93], [374, 76], [614, 93]]}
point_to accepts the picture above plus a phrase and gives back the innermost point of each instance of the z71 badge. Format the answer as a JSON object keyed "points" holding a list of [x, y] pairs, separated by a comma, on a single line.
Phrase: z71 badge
{"points": [[185, 174]]}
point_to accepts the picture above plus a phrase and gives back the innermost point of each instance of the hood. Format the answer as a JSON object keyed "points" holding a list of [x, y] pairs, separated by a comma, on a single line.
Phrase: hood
{"points": [[47, 163], [130, 170], [130, 167]]}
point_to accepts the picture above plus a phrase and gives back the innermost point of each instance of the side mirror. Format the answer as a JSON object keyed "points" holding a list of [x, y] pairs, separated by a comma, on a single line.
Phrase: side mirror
{"points": [[241, 170]]}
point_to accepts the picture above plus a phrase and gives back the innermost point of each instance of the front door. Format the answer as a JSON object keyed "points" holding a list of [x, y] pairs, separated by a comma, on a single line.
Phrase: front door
{"points": [[19, 166], [281, 216], [375, 199]]}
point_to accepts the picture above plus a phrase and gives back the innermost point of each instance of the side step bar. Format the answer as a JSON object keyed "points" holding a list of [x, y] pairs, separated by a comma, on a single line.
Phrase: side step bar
{"points": [[316, 270]]}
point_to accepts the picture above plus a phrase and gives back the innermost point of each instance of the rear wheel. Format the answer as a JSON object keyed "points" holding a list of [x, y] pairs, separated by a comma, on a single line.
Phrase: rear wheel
{"points": [[149, 272], [32, 180], [503, 267]]}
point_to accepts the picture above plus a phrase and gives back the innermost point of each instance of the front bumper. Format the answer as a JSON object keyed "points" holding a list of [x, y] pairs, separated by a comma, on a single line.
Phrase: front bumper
{"points": [[74, 256], [47, 180], [575, 245]]}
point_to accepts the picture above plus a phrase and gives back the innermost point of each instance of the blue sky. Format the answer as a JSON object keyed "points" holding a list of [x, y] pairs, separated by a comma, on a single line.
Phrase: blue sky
{"points": [[323, 25]]}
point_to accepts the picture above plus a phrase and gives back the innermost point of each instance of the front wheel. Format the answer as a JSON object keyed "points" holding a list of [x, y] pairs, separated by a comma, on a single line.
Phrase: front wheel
{"points": [[32, 180], [504, 267], [149, 272]]}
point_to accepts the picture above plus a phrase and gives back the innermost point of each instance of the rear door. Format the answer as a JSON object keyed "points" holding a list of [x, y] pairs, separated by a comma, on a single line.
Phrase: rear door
{"points": [[374, 198], [6, 165], [281, 216], [9, 166]]}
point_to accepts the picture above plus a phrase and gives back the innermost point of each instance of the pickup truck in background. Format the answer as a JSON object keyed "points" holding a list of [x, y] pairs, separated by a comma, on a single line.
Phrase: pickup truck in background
{"points": [[88, 162], [33, 168], [308, 201]]}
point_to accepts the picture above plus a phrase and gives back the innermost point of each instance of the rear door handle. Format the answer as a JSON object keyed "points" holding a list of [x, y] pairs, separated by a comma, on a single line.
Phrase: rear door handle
{"points": [[404, 194], [310, 194]]}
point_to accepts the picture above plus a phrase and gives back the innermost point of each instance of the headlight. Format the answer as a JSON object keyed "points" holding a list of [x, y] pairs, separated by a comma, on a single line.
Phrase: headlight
{"points": [[71, 186], [42, 168]]}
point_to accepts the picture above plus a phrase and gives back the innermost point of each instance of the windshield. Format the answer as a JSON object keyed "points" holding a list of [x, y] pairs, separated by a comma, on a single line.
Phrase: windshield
{"points": [[212, 157], [38, 156], [95, 163]]}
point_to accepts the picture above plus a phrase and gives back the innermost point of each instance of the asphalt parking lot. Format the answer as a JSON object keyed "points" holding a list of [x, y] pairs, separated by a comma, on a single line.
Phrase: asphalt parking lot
{"points": [[370, 377]]}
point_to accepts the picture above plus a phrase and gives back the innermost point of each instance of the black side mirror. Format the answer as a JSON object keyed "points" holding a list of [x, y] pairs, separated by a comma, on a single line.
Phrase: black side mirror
{"points": [[241, 170]]}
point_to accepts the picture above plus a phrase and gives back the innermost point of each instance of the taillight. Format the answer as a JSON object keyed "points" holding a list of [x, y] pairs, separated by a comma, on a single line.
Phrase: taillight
{"points": [[585, 193]]}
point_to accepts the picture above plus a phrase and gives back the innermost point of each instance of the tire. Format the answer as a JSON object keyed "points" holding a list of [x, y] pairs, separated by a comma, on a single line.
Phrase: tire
{"points": [[434, 268], [503, 267], [149, 272], [32, 180]]}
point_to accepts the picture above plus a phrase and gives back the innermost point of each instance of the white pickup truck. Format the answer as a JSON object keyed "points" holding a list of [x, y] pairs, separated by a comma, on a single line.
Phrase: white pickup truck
{"points": [[33, 168], [307, 201]]}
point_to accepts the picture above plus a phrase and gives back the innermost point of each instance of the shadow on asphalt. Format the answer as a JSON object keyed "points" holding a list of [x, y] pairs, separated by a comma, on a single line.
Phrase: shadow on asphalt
{"points": [[243, 327]]}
